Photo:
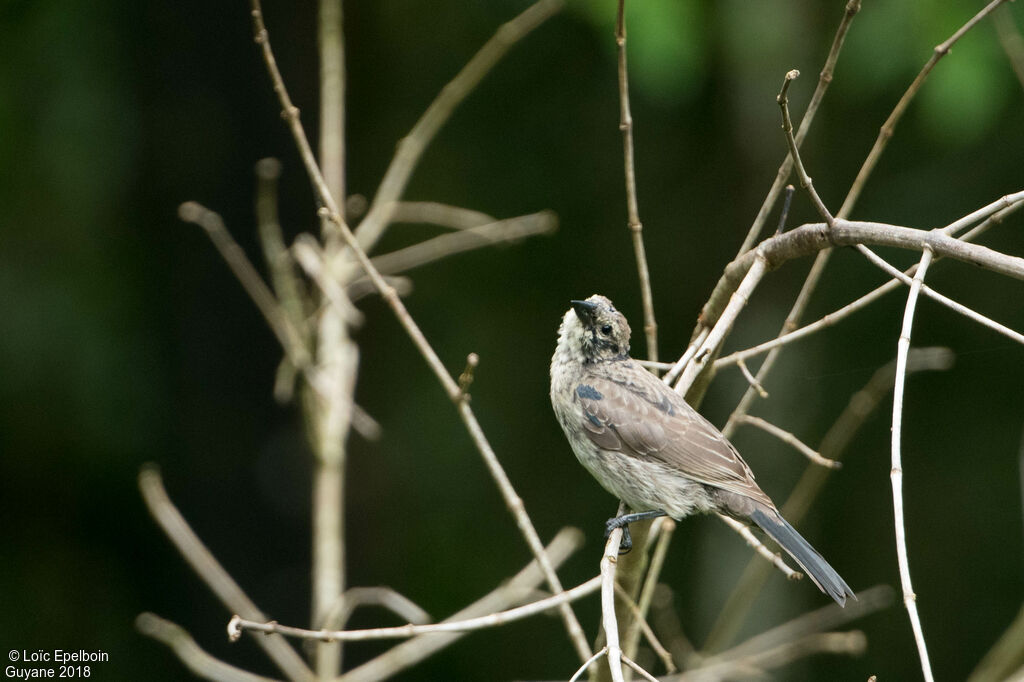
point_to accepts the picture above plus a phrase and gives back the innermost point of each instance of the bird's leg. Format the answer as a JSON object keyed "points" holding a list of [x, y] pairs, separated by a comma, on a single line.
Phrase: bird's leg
{"points": [[623, 523]]}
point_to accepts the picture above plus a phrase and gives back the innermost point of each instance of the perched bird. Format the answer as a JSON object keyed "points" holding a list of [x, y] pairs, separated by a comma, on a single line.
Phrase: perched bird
{"points": [[648, 447]]}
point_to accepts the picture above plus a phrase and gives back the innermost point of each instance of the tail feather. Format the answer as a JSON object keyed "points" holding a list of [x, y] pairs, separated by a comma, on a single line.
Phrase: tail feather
{"points": [[823, 575]]}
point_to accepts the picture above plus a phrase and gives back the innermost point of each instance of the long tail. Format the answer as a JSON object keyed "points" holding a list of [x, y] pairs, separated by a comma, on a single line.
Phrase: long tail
{"points": [[823, 575]]}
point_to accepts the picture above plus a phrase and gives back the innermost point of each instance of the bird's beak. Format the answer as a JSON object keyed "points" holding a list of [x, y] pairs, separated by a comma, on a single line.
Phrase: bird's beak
{"points": [[585, 310]]}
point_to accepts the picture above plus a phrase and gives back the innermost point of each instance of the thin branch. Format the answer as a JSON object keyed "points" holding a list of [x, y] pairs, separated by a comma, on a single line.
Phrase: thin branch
{"points": [[824, 79], [473, 71], [289, 112], [835, 316], [936, 296], [850, 643], [773, 557], [791, 440], [691, 350], [889, 127], [608, 620], [510, 593], [331, 43], [338, 614], [212, 573], [632, 210], [259, 292], [639, 624], [239, 625], [737, 301], [442, 246], [412, 146], [794, 151], [909, 598], [338, 355], [825, 618], [201, 663], [587, 663], [288, 288], [833, 445], [643, 605], [636, 666], [751, 379], [454, 217], [717, 299], [814, 237]]}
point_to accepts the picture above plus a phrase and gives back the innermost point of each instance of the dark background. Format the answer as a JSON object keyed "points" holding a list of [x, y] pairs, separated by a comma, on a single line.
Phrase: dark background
{"points": [[124, 339]]}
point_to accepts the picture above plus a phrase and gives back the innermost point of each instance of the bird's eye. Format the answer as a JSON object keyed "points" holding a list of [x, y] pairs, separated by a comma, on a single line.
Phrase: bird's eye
{"points": [[606, 329]]}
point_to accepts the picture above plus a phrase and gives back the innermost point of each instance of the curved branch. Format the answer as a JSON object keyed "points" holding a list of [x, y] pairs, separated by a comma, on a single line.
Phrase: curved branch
{"points": [[814, 237]]}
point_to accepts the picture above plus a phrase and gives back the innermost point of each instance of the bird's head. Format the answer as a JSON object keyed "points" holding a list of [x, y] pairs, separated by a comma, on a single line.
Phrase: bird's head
{"points": [[594, 331]]}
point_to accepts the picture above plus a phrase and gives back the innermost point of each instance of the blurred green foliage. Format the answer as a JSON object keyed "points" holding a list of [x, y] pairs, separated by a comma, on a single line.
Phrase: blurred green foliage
{"points": [[123, 338]]}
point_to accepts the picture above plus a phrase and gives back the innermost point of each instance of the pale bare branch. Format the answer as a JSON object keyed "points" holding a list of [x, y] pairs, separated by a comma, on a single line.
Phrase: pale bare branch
{"points": [[903, 348], [788, 438], [212, 573], [412, 146], [239, 625], [201, 663], [632, 210]]}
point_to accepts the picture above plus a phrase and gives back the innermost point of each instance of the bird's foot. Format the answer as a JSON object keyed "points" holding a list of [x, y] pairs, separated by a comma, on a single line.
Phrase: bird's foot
{"points": [[623, 523]]}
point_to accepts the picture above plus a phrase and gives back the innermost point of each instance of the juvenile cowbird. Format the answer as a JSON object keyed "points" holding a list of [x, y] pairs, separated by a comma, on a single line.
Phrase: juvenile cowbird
{"points": [[648, 447]]}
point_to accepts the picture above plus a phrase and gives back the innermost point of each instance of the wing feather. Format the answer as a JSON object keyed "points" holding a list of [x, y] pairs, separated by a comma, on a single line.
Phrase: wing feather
{"points": [[642, 417]]}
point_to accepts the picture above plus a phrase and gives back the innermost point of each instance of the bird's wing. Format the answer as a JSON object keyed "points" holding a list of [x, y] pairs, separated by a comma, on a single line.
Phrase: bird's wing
{"points": [[635, 413]]}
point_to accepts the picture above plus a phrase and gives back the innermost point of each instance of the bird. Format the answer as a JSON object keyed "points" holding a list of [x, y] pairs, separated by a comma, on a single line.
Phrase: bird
{"points": [[647, 446]]}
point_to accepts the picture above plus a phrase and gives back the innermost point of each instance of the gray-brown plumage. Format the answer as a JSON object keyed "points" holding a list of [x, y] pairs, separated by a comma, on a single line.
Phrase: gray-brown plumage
{"points": [[648, 447]]}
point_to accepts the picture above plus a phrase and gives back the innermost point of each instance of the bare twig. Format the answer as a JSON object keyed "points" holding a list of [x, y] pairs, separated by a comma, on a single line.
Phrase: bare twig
{"points": [[212, 573], [833, 445], [636, 666], [411, 147], [824, 79], [889, 127], [234, 256], [330, 419], [936, 296], [390, 189], [287, 287], [909, 598], [643, 604], [239, 625], [773, 557], [794, 151], [190, 653], [751, 379], [513, 592], [331, 43], [442, 246], [445, 215], [632, 210], [603, 651], [466, 378], [289, 112], [814, 237], [717, 299], [850, 643], [788, 438], [737, 301], [825, 618], [339, 613], [691, 350], [608, 620], [868, 298], [640, 624]]}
